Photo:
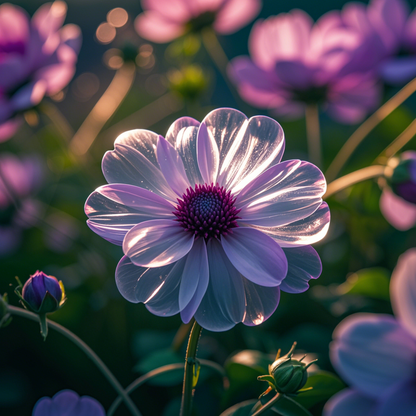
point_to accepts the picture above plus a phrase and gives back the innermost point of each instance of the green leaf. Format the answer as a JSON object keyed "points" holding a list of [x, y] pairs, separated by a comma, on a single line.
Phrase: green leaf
{"points": [[324, 385], [286, 406], [372, 282], [245, 408]]}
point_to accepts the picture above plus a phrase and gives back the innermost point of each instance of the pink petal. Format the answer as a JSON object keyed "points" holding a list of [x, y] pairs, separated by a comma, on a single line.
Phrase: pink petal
{"points": [[177, 126], [403, 290], [49, 17], [256, 256], [9, 128], [208, 155], [398, 212], [56, 76], [71, 36], [153, 26], [172, 10], [157, 243], [14, 27], [298, 75], [29, 95]]}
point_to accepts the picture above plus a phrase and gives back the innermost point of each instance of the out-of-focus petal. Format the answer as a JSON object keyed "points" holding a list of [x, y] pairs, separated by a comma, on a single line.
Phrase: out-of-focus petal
{"points": [[49, 17], [410, 32], [72, 37], [157, 243], [9, 128], [400, 400], [152, 26], [372, 353], [14, 27], [350, 402], [223, 304], [261, 302], [256, 256], [403, 290], [29, 95], [55, 76], [174, 10], [235, 14], [116, 208], [285, 193], [398, 212], [298, 75], [399, 70], [247, 147], [133, 161], [208, 155], [303, 264], [172, 167], [304, 232]]}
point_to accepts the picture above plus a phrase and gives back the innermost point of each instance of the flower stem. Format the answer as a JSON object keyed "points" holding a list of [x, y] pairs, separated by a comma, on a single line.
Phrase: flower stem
{"points": [[352, 178], [57, 119], [87, 350], [190, 364], [365, 128], [313, 134], [181, 335], [268, 405]]}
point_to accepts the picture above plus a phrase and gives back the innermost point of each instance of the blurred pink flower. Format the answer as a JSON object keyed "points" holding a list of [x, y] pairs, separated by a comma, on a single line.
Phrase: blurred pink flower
{"points": [[294, 62], [165, 20], [37, 58]]}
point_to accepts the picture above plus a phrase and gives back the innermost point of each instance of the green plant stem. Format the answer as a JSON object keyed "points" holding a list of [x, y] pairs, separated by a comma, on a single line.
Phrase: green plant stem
{"points": [[365, 128], [164, 369], [87, 350], [313, 134], [268, 405], [57, 119], [190, 361], [352, 178], [181, 335]]}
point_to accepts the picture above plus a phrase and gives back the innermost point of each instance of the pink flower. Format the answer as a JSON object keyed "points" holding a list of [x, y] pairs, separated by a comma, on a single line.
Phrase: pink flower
{"points": [[295, 63], [37, 58], [165, 20], [211, 222]]}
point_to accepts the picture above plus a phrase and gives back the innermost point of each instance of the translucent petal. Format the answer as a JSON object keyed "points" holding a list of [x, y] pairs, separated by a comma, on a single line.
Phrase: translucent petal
{"points": [[208, 156], [400, 400], [224, 302], [285, 193], [133, 161], [349, 402], [261, 302], [114, 209], [177, 126], [403, 290], [303, 232], [304, 264], [373, 352], [172, 167], [246, 147], [256, 256], [157, 243]]}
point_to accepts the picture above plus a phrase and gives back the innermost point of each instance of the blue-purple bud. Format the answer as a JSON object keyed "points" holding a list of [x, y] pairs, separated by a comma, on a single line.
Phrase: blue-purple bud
{"points": [[403, 179], [42, 293]]}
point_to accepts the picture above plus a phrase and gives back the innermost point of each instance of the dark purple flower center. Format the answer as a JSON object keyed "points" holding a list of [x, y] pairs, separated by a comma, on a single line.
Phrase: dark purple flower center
{"points": [[208, 211]]}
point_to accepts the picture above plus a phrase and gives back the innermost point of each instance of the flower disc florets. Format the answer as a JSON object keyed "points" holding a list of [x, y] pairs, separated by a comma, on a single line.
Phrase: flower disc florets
{"points": [[208, 211]]}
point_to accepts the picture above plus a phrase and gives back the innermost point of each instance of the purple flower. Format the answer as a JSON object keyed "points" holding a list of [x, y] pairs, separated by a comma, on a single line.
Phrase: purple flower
{"points": [[211, 222], [165, 20], [295, 63], [68, 403], [398, 200], [37, 58], [376, 354]]}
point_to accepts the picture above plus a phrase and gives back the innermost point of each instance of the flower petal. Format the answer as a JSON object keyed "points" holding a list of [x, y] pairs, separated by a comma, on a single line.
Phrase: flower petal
{"points": [[223, 304], [349, 402], [285, 193], [246, 147], [256, 256], [114, 209], [29, 95], [303, 264], [261, 302], [207, 155], [133, 161], [400, 400], [398, 212], [157, 243], [152, 26], [372, 353], [399, 70], [403, 290], [303, 232], [172, 167], [87, 406], [177, 126]]}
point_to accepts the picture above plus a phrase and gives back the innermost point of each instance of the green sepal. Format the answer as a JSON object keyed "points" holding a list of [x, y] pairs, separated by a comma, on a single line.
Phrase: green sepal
{"points": [[267, 378], [49, 305]]}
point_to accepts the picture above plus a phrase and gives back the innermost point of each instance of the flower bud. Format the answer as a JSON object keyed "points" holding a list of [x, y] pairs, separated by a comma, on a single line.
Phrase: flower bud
{"points": [[189, 83], [403, 178], [42, 293]]}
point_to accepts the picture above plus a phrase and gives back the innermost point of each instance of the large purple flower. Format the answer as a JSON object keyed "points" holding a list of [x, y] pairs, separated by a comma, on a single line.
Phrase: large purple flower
{"points": [[68, 403], [295, 63], [211, 222], [376, 354], [37, 58], [165, 20]]}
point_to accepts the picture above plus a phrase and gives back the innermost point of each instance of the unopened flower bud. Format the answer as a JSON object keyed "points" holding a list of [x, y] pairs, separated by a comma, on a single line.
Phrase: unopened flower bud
{"points": [[403, 178], [189, 83]]}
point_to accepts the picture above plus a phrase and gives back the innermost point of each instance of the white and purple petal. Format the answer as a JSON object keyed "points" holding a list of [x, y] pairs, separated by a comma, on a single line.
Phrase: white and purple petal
{"points": [[400, 400], [350, 402]]}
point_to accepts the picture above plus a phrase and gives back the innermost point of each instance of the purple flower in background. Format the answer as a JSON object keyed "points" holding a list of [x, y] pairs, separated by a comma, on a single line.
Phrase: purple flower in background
{"points": [[37, 58], [211, 222], [295, 63], [376, 354], [68, 403], [165, 20], [19, 179], [398, 200]]}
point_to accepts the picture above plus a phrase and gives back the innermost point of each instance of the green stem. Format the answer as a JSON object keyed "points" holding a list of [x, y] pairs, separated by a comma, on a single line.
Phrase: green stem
{"points": [[181, 335], [352, 178], [313, 134], [365, 128], [87, 350], [190, 362], [57, 119], [268, 405]]}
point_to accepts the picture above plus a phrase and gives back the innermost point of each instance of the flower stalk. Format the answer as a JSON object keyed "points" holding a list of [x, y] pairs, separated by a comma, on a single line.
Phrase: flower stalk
{"points": [[313, 134]]}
